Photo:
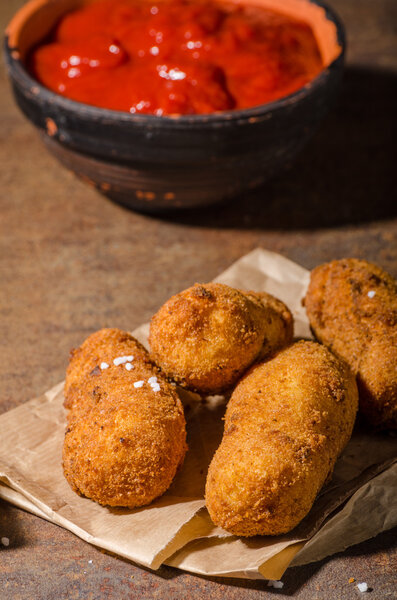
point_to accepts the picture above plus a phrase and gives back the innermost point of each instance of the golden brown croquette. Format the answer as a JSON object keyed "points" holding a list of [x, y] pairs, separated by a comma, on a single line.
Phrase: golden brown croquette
{"points": [[207, 336], [286, 423], [352, 308], [126, 433]]}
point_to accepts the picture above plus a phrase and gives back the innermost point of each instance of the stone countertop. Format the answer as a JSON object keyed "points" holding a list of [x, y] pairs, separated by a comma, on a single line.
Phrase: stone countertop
{"points": [[71, 262]]}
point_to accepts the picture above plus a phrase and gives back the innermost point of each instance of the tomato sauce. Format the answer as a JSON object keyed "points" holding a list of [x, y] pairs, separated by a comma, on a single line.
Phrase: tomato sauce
{"points": [[175, 56]]}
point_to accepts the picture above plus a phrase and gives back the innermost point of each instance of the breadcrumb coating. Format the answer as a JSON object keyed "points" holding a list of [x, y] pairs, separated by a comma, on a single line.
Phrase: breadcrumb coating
{"points": [[123, 444], [286, 423], [352, 308], [207, 336]]}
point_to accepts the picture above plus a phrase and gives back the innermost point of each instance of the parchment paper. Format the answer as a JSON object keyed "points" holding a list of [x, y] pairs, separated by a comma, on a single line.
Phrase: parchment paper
{"points": [[357, 504]]}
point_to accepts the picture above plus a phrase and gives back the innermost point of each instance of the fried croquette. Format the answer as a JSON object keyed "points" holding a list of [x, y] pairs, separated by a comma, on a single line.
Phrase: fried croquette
{"points": [[286, 423], [207, 336], [352, 308], [126, 434]]}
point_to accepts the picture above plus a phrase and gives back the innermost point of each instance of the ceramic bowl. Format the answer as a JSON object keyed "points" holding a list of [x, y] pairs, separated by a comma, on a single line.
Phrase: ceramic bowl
{"points": [[153, 163]]}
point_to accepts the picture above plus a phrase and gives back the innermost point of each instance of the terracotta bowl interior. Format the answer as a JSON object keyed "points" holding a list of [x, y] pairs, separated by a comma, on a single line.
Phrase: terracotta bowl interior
{"points": [[35, 20]]}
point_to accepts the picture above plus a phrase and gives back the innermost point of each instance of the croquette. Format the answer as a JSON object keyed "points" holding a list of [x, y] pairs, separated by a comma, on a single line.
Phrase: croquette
{"points": [[286, 423], [206, 337], [352, 308], [126, 434]]}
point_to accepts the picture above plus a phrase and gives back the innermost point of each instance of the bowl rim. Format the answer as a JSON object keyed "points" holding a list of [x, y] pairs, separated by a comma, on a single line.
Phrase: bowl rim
{"points": [[220, 118]]}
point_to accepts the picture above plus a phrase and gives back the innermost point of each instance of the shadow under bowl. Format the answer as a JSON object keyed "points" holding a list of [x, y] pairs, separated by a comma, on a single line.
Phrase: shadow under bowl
{"points": [[156, 164]]}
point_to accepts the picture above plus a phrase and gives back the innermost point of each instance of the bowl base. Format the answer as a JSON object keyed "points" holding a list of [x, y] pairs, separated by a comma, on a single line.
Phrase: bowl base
{"points": [[142, 189]]}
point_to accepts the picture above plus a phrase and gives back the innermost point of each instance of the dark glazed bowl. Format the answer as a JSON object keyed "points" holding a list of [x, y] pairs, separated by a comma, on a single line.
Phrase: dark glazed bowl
{"points": [[155, 163]]}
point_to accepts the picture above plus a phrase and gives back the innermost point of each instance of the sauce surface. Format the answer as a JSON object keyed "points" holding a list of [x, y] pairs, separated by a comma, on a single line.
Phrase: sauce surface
{"points": [[175, 56]]}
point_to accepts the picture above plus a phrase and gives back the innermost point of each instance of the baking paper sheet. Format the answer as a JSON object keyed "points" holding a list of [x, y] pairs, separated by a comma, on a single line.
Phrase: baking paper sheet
{"points": [[176, 528]]}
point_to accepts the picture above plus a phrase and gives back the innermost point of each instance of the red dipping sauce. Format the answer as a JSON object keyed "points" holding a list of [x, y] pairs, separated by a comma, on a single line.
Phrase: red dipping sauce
{"points": [[175, 56]]}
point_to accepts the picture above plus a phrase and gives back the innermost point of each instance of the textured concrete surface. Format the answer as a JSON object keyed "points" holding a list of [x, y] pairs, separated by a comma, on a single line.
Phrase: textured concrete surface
{"points": [[71, 262]]}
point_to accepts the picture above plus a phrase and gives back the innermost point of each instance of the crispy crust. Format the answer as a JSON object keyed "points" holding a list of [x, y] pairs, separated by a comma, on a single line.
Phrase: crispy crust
{"points": [[123, 445], [84, 374], [286, 423], [359, 328], [207, 336]]}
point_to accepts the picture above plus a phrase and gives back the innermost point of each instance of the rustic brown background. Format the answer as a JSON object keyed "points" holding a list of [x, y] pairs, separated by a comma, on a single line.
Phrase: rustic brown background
{"points": [[71, 262]]}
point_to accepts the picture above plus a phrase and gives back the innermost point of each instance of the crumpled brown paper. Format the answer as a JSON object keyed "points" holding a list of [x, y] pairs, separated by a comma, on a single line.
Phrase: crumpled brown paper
{"points": [[176, 528]]}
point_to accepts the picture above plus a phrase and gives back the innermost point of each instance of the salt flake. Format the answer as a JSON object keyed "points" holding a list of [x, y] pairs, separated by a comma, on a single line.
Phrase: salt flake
{"points": [[120, 360], [276, 584]]}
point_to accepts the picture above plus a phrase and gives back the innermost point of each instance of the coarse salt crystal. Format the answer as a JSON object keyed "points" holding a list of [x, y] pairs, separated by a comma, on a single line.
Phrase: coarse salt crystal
{"points": [[152, 379], [371, 294], [104, 365], [155, 387], [5, 541], [129, 366], [120, 360], [138, 384], [90, 562], [274, 583], [363, 587]]}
